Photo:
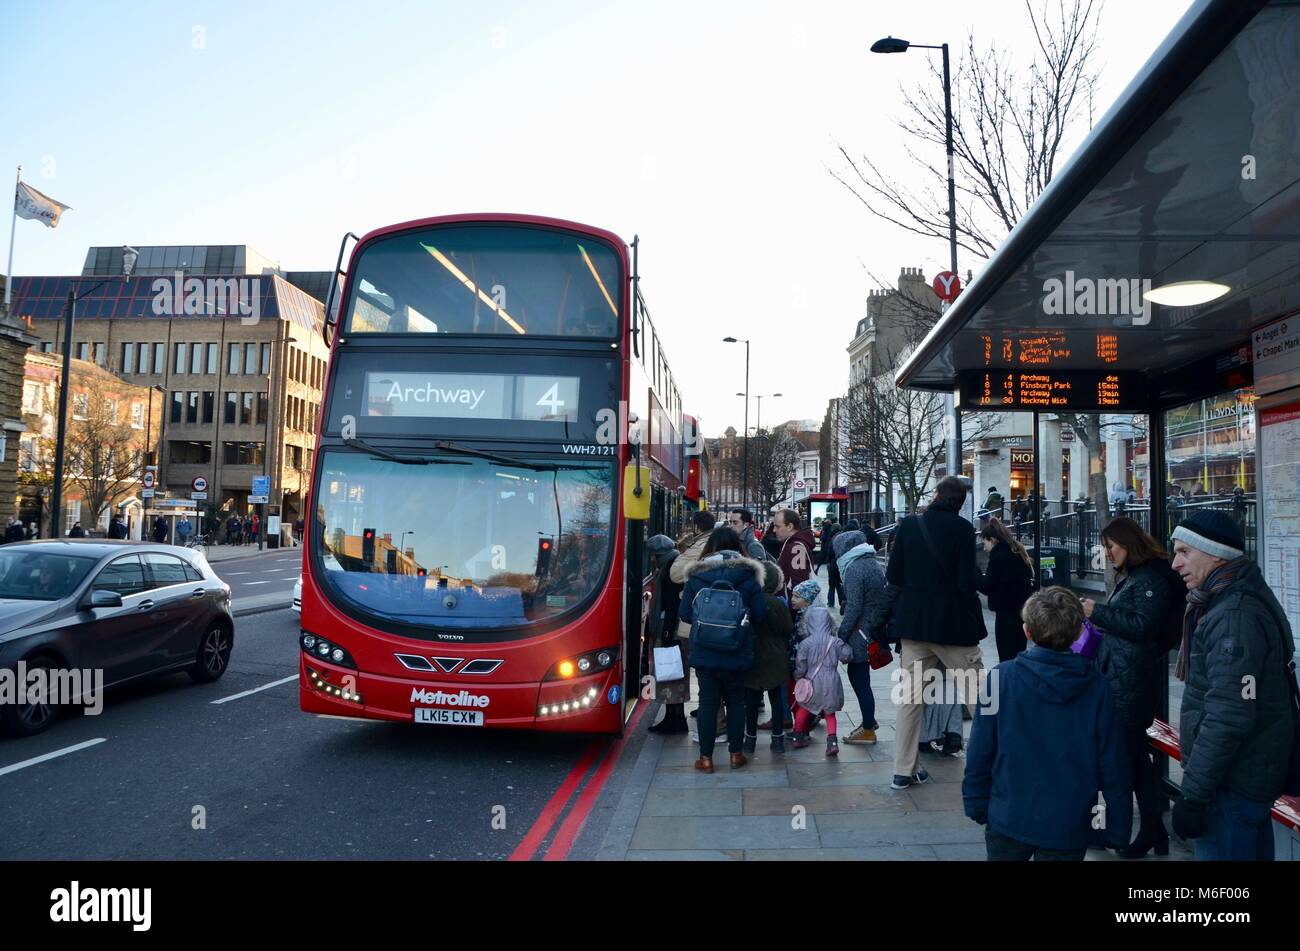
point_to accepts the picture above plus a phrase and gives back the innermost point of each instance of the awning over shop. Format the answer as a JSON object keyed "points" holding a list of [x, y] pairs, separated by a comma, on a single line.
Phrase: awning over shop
{"points": [[1193, 175]]}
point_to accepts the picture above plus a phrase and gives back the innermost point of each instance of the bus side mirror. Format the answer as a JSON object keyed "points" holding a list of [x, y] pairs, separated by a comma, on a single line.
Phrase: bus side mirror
{"points": [[636, 507]]}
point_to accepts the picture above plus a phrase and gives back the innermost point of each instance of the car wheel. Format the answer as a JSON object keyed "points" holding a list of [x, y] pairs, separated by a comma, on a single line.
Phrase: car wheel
{"points": [[214, 654], [28, 719]]}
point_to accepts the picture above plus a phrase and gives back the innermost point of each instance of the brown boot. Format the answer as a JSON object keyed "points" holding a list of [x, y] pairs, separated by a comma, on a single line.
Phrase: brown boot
{"points": [[704, 764], [738, 760]]}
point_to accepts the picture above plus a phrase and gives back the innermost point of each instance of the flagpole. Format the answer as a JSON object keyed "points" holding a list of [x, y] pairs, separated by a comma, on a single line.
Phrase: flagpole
{"points": [[13, 225]]}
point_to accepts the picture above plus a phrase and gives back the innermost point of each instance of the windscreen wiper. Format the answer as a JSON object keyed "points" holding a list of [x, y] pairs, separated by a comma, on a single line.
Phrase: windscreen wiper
{"points": [[502, 460], [394, 457]]}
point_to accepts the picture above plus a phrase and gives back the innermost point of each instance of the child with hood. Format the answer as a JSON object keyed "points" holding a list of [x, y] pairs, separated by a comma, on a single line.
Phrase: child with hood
{"points": [[771, 667], [818, 658]]}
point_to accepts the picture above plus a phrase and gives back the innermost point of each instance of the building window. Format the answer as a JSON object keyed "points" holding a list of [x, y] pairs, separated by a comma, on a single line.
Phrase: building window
{"points": [[159, 358], [101, 353], [112, 411], [196, 358], [266, 359], [80, 405], [263, 409], [213, 358], [232, 407], [47, 346], [83, 351], [189, 453], [192, 413], [246, 410], [250, 359], [137, 415], [128, 358], [209, 406], [236, 359], [32, 397], [241, 453], [28, 453], [178, 404], [182, 351]]}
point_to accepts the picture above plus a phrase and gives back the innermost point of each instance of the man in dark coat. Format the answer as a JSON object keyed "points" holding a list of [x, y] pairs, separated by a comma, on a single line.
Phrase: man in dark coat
{"points": [[834, 583], [742, 522], [117, 528], [661, 631], [937, 616], [797, 545], [1236, 727], [160, 530]]}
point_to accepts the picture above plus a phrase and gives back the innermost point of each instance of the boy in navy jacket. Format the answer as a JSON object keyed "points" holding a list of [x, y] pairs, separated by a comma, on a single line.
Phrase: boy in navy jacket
{"points": [[1043, 744]]}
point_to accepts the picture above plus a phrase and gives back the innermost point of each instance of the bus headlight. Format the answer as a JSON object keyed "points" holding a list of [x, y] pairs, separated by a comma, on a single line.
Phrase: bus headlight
{"points": [[583, 665], [325, 650]]}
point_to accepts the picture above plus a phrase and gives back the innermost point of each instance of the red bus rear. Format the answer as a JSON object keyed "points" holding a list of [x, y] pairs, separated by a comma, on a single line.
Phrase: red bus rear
{"points": [[468, 561]]}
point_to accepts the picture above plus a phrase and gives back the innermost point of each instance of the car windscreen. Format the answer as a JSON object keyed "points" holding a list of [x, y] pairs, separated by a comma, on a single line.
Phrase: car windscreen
{"points": [[40, 576], [463, 543]]}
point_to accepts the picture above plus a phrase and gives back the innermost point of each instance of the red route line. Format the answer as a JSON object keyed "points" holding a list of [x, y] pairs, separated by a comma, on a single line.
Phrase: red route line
{"points": [[537, 833], [573, 823]]}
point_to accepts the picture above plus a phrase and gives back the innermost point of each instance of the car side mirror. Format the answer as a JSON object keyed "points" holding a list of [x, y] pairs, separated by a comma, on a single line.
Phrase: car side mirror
{"points": [[101, 598]]}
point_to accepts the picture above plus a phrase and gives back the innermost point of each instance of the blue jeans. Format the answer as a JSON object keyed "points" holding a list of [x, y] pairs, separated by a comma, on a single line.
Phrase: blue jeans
{"points": [[860, 681], [1239, 830], [1002, 848]]}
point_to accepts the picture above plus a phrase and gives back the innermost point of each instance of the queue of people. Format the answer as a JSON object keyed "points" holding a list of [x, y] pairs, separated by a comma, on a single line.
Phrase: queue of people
{"points": [[1058, 726]]}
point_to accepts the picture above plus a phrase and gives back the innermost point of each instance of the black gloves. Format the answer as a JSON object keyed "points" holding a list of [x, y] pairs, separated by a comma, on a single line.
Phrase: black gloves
{"points": [[1190, 818]]}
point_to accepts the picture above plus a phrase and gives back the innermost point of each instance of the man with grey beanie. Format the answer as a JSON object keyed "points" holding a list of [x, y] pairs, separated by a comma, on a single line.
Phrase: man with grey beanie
{"points": [[1236, 726]]}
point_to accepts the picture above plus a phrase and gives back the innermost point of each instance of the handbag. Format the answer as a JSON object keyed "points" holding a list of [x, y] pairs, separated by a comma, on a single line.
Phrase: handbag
{"points": [[668, 664], [1088, 642], [803, 687]]}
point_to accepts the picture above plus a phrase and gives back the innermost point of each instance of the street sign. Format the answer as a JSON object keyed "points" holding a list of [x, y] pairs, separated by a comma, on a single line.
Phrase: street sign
{"points": [[198, 496], [261, 487], [146, 493], [150, 480], [257, 499], [799, 483], [199, 484], [947, 286]]}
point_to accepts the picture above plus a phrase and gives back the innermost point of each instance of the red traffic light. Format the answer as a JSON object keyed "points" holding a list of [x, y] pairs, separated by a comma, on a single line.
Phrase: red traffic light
{"points": [[369, 533], [546, 546]]}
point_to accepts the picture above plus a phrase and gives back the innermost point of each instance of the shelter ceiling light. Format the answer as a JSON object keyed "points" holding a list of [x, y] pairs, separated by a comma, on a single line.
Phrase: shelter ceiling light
{"points": [[1187, 293]]}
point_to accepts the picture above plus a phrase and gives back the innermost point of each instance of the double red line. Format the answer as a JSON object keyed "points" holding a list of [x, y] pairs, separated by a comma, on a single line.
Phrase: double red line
{"points": [[605, 755]]}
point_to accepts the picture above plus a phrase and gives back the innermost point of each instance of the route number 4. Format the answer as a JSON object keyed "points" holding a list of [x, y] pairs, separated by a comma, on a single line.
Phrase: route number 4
{"points": [[551, 400]]}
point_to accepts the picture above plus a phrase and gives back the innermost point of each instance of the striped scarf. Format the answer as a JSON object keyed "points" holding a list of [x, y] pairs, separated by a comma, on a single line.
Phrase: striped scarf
{"points": [[1198, 602]]}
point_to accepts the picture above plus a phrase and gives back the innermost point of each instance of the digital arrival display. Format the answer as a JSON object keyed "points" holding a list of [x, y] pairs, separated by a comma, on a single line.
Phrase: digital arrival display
{"points": [[1051, 390]]}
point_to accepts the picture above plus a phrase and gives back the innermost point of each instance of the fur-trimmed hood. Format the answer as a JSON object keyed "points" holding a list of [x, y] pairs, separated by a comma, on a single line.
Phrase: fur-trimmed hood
{"points": [[726, 560]]}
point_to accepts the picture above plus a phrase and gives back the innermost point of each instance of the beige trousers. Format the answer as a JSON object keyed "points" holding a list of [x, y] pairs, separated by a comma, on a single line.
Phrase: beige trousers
{"points": [[965, 664]]}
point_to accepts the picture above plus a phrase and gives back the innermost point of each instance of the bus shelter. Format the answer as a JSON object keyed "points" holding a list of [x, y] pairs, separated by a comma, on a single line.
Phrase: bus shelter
{"points": [[1148, 304]]}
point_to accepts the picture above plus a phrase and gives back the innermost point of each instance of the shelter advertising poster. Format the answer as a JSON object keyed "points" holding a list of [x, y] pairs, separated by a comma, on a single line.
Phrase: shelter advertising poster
{"points": [[1279, 485]]}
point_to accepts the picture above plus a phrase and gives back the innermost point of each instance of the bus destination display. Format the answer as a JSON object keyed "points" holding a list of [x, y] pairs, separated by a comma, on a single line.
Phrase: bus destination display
{"points": [[1049, 390]]}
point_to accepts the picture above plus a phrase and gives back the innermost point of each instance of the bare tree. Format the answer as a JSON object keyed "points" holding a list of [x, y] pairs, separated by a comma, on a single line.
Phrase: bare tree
{"points": [[103, 457], [1009, 127], [773, 455]]}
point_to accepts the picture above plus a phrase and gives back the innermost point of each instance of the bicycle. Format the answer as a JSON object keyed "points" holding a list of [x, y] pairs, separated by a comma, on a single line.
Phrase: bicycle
{"points": [[198, 542]]}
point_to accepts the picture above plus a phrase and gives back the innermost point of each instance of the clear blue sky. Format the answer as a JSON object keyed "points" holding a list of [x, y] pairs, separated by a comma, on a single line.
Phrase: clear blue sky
{"points": [[707, 128]]}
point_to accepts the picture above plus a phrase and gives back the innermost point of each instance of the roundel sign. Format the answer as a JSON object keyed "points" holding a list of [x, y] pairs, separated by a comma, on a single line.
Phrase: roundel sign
{"points": [[199, 484], [149, 480], [799, 483], [946, 285]]}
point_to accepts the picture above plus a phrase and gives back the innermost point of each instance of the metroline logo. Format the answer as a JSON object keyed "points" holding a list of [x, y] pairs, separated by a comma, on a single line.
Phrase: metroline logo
{"points": [[462, 699]]}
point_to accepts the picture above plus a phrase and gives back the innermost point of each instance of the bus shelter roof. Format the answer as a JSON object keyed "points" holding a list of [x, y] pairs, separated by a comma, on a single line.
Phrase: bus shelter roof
{"points": [[1193, 175]]}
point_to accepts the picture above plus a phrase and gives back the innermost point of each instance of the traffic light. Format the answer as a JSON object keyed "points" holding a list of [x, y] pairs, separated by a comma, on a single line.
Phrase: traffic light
{"points": [[391, 554], [422, 572], [544, 546], [368, 546]]}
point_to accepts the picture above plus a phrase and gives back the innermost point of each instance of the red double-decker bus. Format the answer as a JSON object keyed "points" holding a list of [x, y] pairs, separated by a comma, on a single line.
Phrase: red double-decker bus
{"points": [[496, 441]]}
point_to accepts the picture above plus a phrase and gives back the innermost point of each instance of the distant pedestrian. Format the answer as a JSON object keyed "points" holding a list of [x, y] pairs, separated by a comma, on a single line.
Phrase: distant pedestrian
{"points": [[834, 578], [992, 503], [937, 611], [160, 531], [818, 658], [742, 523], [797, 544], [1035, 799], [1235, 743], [117, 528], [255, 526], [76, 531], [14, 531], [184, 528], [1140, 621], [661, 629], [864, 609], [771, 667], [1008, 584], [719, 672]]}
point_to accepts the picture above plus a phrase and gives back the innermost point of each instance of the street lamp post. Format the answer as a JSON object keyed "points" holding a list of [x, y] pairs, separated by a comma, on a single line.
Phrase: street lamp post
{"points": [[892, 44], [744, 492], [129, 256]]}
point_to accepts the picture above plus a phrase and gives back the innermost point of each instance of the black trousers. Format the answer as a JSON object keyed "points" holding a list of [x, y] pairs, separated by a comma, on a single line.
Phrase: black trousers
{"points": [[717, 687], [754, 700], [1146, 776], [1009, 632], [1002, 848]]}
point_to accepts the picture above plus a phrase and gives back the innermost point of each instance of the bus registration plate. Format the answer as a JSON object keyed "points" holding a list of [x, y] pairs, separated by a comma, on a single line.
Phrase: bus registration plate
{"points": [[449, 717]]}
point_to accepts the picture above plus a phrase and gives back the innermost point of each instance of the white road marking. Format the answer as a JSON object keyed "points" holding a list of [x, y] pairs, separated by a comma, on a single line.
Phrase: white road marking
{"points": [[49, 756], [249, 584], [236, 696], [233, 573]]}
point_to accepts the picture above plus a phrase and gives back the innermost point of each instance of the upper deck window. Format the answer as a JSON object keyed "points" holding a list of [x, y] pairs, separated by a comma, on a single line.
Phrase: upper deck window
{"points": [[487, 279]]}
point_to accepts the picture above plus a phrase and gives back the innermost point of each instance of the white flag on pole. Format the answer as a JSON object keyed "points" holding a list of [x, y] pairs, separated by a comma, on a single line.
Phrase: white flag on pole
{"points": [[29, 203]]}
